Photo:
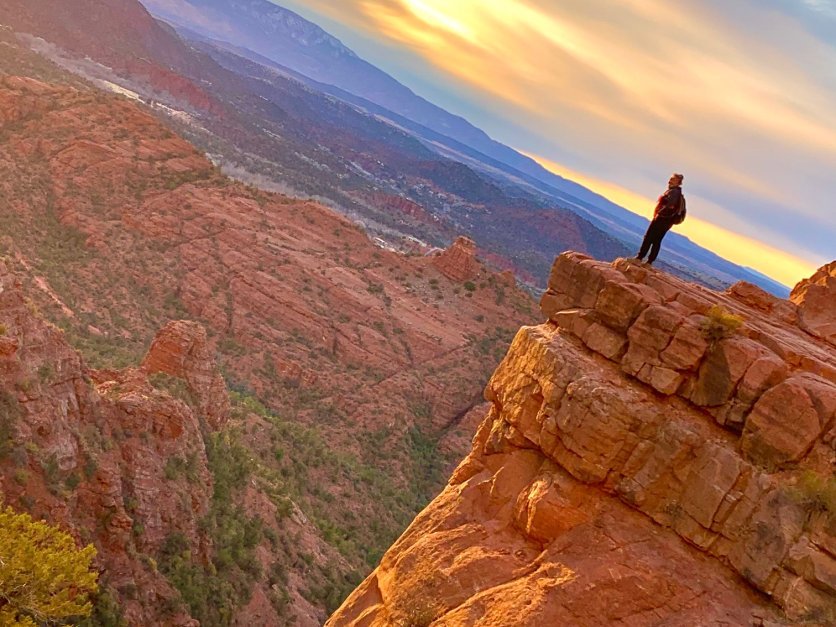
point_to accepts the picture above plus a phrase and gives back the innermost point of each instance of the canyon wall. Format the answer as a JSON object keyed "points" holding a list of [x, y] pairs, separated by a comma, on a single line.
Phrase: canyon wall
{"points": [[91, 451], [655, 453]]}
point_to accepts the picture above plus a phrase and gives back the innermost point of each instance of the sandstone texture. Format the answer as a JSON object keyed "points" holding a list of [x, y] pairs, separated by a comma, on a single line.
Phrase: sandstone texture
{"points": [[636, 467], [816, 300], [458, 262]]}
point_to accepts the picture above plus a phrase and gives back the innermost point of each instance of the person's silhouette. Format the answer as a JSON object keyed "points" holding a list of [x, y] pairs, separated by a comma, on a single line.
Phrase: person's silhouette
{"points": [[670, 210]]}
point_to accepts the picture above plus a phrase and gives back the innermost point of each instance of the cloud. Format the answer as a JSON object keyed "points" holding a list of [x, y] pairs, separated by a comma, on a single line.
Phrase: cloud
{"points": [[741, 96], [825, 7]]}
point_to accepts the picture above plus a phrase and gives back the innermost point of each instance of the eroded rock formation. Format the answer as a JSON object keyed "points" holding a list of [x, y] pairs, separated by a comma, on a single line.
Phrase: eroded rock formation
{"points": [[458, 262], [651, 456], [816, 300], [89, 450]]}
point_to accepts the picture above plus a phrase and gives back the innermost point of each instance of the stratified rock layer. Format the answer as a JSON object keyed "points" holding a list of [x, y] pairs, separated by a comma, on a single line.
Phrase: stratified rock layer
{"points": [[458, 262], [816, 300], [634, 469]]}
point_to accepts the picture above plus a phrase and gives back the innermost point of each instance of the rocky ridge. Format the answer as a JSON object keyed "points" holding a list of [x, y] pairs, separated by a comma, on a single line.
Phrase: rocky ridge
{"points": [[88, 449], [655, 452]]}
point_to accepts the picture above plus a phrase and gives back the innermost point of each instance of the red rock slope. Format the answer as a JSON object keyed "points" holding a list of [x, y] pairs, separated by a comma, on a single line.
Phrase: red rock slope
{"points": [[633, 471], [89, 450], [368, 360]]}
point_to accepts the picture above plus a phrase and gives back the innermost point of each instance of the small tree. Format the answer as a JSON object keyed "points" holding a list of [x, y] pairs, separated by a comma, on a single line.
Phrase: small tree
{"points": [[44, 576]]}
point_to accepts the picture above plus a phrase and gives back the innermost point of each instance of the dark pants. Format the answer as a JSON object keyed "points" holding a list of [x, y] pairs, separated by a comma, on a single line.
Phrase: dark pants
{"points": [[653, 238]]}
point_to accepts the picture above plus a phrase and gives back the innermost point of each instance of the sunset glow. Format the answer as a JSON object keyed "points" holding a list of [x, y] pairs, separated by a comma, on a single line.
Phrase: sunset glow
{"points": [[742, 98], [733, 246]]}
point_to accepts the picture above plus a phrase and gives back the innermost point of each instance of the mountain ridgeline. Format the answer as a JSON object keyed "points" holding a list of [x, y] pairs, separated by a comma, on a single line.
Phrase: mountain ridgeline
{"points": [[274, 36]]}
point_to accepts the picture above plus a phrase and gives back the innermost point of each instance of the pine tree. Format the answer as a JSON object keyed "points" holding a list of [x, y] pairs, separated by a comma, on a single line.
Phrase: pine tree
{"points": [[44, 576]]}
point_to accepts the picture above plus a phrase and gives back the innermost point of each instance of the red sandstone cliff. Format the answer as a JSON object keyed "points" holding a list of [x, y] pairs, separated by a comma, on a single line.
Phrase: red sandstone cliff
{"points": [[644, 461], [88, 450]]}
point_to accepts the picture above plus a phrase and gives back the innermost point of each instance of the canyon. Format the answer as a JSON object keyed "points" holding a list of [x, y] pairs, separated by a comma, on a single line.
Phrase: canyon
{"points": [[243, 398], [348, 371]]}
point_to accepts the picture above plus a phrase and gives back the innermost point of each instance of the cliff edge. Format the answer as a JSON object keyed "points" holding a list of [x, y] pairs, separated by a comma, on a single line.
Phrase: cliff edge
{"points": [[655, 453]]}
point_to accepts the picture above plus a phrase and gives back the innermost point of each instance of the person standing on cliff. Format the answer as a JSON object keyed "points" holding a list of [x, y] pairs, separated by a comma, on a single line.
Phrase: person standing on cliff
{"points": [[670, 210]]}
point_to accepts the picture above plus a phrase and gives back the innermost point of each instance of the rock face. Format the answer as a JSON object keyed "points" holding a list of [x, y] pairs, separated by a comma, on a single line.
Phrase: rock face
{"points": [[181, 350], [88, 450], [637, 466], [458, 263], [816, 300]]}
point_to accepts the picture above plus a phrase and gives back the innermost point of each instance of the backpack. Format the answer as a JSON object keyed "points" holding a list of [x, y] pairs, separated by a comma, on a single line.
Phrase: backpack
{"points": [[679, 218]]}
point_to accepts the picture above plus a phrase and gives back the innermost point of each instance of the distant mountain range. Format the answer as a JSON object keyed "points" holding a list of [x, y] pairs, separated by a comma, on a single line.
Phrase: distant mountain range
{"points": [[292, 41], [282, 103], [272, 35]]}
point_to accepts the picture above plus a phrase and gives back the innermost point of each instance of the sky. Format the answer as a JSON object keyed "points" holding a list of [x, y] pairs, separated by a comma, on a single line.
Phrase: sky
{"points": [[738, 95]]}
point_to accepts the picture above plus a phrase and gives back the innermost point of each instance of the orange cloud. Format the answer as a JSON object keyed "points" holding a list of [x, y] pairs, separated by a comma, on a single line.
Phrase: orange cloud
{"points": [[645, 86]]}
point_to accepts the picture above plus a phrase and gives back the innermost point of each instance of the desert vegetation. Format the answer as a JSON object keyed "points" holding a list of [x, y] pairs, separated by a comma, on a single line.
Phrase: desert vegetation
{"points": [[45, 578]]}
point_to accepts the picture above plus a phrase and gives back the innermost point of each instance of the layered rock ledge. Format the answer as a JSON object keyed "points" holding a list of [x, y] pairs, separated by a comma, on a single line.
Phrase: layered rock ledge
{"points": [[637, 466], [458, 262]]}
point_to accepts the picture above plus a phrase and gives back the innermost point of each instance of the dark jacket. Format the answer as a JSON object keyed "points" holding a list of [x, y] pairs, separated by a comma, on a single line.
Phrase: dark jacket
{"points": [[669, 203]]}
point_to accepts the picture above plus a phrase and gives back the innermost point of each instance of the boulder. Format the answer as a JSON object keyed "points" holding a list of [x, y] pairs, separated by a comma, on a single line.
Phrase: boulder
{"points": [[788, 419], [816, 300]]}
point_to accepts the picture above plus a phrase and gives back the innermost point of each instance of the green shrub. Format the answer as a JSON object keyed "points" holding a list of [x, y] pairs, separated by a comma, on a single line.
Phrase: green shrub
{"points": [[176, 467], [719, 324], [52, 474], [174, 386], [45, 373], [44, 577], [90, 467], [106, 612], [815, 493], [214, 592], [417, 612], [72, 481], [9, 413]]}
